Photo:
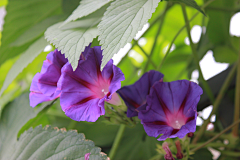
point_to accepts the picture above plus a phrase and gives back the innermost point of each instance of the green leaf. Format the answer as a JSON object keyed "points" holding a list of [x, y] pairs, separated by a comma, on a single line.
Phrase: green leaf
{"points": [[3, 3], [190, 3], [6, 98], [224, 54], [36, 31], [49, 143], [27, 57], [72, 38], [14, 116], [85, 8], [121, 22], [136, 145], [202, 154], [21, 16], [219, 23]]}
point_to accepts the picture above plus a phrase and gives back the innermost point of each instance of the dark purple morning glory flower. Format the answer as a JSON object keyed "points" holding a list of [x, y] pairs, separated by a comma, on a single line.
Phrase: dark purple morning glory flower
{"points": [[44, 84], [135, 95], [85, 89], [171, 109]]}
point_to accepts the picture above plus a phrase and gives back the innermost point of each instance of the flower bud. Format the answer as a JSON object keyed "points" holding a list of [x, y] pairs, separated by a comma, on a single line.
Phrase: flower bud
{"points": [[179, 150], [190, 135], [168, 155]]}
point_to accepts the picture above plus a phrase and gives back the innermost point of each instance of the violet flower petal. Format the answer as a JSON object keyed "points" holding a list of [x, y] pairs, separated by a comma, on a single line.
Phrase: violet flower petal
{"points": [[36, 96], [135, 95], [85, 89], [171, 109], [51, 73], [44, 84]]}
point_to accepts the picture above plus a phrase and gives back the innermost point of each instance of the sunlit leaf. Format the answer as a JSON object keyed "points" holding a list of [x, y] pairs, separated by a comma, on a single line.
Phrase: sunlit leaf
{"points": [[121, 22], [27, 57], [72, 38], [190, 3], [85, 8]]}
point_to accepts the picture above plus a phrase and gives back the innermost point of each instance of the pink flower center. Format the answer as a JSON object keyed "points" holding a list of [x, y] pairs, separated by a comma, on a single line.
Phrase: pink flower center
{"points": [[101, 88], [176, 120]]}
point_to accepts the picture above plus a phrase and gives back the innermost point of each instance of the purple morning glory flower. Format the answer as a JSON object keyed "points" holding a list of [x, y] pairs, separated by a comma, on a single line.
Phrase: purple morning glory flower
{"points": [[135, 95], [171, 109], [44, 84], [85, 89]]}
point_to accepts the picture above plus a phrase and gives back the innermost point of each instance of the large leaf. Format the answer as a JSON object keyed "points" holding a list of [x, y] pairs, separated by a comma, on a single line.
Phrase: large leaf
{"points": [[190, 3], [31, 53], [72, 38], [14, 116], [121, 22], [49, 143], [21, 16], [85, 8]]}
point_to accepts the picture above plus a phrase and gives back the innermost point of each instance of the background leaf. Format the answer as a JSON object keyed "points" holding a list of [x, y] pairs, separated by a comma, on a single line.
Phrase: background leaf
{"points": [[26, 58], [121, 22], [49, 143], [24, 16], [190, 3]]}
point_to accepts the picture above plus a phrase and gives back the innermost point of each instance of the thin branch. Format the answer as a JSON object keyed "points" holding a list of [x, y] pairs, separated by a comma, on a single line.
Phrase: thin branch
{"points": [[216, 103], [215, 137], [237, 100], [117, 141]]}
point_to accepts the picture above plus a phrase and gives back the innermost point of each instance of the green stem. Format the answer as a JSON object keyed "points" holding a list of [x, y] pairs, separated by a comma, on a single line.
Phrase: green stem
{"points": [[145, 53], [169, 47], [224, 9], [214, 145], [212, 134], [230, 153], [204, 82], [117, 141], [216, 103], [215, 137], [237, 100], [156, 37], [175, 37]]}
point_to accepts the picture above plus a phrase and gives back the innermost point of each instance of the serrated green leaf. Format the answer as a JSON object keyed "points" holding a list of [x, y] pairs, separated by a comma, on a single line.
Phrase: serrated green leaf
{"points": [[27, 57], [72, 38], [14, 116], [55, 144], [21, 16], [121, 22], [85, 8], [190, 3]]}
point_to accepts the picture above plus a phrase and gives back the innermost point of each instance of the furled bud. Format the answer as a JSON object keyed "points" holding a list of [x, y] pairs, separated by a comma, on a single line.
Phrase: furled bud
{"points": [[168, 155], [179, 150]]}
